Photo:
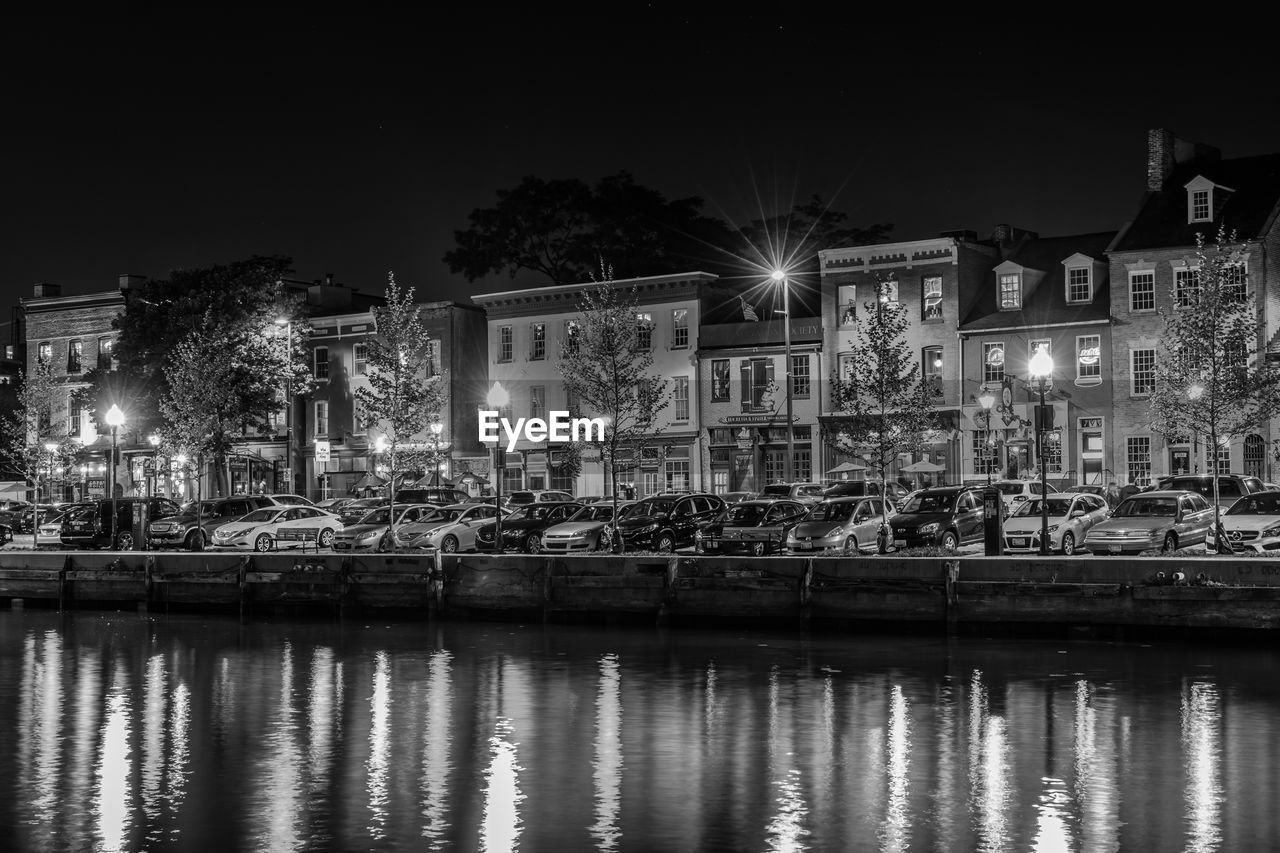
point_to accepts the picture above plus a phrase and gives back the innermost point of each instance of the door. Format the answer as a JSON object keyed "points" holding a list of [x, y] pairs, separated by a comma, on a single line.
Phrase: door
{"points": [[970, 524]]}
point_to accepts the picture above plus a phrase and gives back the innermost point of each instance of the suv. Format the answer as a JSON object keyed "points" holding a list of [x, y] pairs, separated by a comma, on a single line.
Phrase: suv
{"points": [[809, 493], [526, 496], [1014, 492], [946, 516], [667, 522], [1231, 487], [193, 526], [439, 495], [865, 488], [91, 527]]}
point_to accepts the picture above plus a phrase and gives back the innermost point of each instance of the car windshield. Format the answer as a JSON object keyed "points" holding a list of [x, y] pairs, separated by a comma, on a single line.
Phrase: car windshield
{"points": [[833, 511], [378, 516], [745, 514], [1057, 506], [1146, 507], [782, 490], [1265, 504], [930, 503], [261, 515], [598, 512], [1010, 488], [654, 507], [521, 498]]}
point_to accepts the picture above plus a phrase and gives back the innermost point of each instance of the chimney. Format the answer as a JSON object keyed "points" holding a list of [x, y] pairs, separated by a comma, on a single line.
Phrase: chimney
{"points": [[128, 280], [1006, 236], [45, 288], [328, 279], [1165, 151]]}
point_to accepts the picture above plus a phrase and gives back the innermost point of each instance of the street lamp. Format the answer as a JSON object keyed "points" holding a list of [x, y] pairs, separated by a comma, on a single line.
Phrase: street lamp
{"points": [[154, 440], [436, 428], [287, 325], [986, 400], [1041, 370], [498, 398], [115, 418], [51, 448], [780, 277]]}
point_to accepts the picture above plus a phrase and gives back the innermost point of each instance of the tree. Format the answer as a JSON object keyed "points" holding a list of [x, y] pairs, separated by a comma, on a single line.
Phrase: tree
{"points": [[608, 376], [33, 425], [1211, 377], [403, 396], [884, 405]]}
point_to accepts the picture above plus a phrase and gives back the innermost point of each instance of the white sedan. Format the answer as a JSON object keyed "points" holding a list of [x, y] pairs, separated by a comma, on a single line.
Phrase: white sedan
{"points": [[275, 527], [450, 529]]}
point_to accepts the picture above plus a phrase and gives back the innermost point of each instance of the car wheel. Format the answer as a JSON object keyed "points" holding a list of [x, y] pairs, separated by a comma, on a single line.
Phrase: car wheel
{"points": [[195, 541], [1170, 542], [666, 543], [851, 546], [450, 544], [757, 549], [325, 539], [533, 543], [262, 543], [124, 541], [948, 542], [1068, 544]]}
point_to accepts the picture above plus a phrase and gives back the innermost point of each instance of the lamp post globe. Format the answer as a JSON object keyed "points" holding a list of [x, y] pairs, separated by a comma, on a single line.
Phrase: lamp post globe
{"points": [[986, 400], [115, 419], [498, 398], [1041, 369]]}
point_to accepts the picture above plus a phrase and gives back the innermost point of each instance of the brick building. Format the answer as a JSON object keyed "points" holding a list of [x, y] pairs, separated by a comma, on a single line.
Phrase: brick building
{"points": [[1191, 190]]}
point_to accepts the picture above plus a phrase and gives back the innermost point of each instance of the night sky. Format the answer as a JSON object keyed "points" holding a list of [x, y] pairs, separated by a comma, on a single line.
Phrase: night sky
{"points": [[152, 139]]}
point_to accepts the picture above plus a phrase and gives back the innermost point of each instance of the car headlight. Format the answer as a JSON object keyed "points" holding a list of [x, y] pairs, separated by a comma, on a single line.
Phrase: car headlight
{"points": [[368, 534], [835, 531], [697, 536], [931, 527], [648, 528], [1053, 527], [1270, 531]]}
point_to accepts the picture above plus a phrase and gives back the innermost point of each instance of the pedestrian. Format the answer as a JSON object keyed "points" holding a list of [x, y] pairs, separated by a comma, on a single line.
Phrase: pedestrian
{"points": [[1129, 489], [1113, 494]]}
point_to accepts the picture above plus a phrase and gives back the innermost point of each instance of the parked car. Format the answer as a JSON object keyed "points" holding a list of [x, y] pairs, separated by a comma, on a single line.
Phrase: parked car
{"points": [[1014, 492], [438, 495], [1071, 515], [333, 504], [865, 488], [738, 497], [11, 513], [945, 516], [352, 512], [1231, 487], [194, 524], [529, 496], [1252, 523], [274, 527], [804, 492], [372, 532], [1088, 489], [449, 529], [756, 527], [1163, 519], [525, 526], [584, 530], [50, 530], [33, 515], [666, 522], [844, 525], [91, 527], [291, 500]]}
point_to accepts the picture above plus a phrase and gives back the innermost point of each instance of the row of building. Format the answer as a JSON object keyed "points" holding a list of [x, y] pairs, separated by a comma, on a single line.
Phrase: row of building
{"points": [[979, 308]]}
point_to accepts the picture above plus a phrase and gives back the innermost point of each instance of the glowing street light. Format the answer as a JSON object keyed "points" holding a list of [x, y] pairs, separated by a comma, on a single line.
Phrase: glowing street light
{"points": [[498, 398], [780, 278], [1041, 369], [986, 400], [115, 418]]}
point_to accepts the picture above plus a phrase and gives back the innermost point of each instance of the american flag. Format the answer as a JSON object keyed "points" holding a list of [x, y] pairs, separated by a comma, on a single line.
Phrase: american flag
{"points": [[748, 313]]}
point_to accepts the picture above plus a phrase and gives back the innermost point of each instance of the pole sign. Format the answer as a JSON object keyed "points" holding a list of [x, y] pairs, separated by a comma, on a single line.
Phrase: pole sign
{"points": [[322, 450]]}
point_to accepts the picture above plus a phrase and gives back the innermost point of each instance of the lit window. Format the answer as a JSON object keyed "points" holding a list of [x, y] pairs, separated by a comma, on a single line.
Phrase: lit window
{"points": [[679, 328], [572, 337], [644, 331], [1079, 284], [44, 354], [1142, 371], [1200, 206], [1186, 288], [433, 358], [1037, 345], [505, 344], [677, 475], [799, 376], [1142, 291], [1138, 458], [74, 353], [73, 416], [1233, 283], [359, 417], [539, 343], [848, 304], [360, 358], [322, 363], [106, 350], [889, 290], [1010, 291], [1089, 357], [931, 297], [993, 362], [931, 365], [681, 397], [322, 418], [538, 401]]}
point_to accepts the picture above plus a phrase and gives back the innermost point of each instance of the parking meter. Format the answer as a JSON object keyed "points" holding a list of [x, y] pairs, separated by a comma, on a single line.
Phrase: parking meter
{"points": [[992, 522]]}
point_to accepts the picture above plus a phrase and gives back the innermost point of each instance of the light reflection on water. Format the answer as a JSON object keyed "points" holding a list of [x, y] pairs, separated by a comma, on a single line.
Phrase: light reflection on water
{"points": [[125, 733]]}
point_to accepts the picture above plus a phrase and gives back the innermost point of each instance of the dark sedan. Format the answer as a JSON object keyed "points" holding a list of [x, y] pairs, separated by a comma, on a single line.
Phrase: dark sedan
{"points": [[752, 527], [523, 528]]}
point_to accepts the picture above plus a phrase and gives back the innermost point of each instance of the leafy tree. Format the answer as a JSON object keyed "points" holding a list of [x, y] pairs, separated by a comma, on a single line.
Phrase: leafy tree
{"points": [[608, 376], [35, 422], [1211, 377], [884, 405], [403, 398]]}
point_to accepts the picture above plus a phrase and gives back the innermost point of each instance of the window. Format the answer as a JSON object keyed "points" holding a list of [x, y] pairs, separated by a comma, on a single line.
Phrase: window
{"points": [[799, 376], [1200, 206], [757, 383], [1255, 455], [720, 380], [1142, 371], [985, 458], [74, 352], [1233, 283], [359, 416], [538, 401], [680, 328], [802, 466], [322, 363], [644, 331], [1223, 461], [1053, 452], [1142, 291], [537, 341], [572, 331], [931, 297], [677, 475], [931, 365], [889, 290], [847, 367], [433, 358], [505, 344], [1186, 287], [1039, 344], [1138, 458], [322, 418], [106, 351], [1079, 284], [1089, 357], [993, 362], [73, 416], [44, 353], [848, 304], [680, 395], [360, 359], [1010, 291]]}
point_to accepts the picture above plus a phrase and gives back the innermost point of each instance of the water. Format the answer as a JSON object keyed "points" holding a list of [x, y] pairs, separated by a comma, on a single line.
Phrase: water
{"points": [[123, 732]]}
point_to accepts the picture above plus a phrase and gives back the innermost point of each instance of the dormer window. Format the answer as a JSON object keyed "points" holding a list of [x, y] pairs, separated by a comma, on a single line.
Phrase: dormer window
{"points": [[1200, 206], [1204, 199], [1010, 291], [1079, 284]]}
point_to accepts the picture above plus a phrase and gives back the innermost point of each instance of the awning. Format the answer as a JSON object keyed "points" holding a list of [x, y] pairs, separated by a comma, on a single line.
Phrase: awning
{"points": [[847, 468], [923, 467]]}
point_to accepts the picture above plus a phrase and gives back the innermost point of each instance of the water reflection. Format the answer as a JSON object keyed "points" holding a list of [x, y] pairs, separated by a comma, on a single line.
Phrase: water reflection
{"points": [[436, 763], [501, 828], [608, 755], [379, 744], [895, 832], [1202, 751], [112, 800]]}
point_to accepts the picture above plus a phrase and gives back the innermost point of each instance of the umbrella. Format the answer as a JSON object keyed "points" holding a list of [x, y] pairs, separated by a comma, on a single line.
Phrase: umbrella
{"points": [[923, 467], [434, 480], [847, 468], [370, 481]]}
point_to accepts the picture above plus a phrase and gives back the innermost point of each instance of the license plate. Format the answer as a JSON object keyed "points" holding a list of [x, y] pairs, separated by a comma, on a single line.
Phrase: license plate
{"points": [[1114, 549], [899, 543], [1019, 543]]}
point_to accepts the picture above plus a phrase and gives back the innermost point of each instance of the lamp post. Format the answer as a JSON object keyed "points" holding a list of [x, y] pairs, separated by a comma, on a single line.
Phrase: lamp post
{"points": [[84, 482], [1041, 370], [986, 400], [780, 277], [51, 448], [154, 441], [287, 325], [115, 418], [436, 428], [498, 398], [1194, 393]]}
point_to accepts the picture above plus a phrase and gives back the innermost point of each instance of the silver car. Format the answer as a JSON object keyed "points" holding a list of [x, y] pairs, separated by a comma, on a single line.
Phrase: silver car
{"points": [[837, 526], [371, 533], [1071, 515], [1251, 524], [1166, 520], [584, 530]]}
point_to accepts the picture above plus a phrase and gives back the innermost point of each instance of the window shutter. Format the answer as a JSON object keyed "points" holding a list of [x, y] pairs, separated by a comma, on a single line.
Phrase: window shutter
{"points": [[768, 372], [745, 372]]}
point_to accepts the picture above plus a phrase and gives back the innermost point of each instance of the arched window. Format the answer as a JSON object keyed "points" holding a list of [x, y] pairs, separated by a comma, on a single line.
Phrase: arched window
{"points": [[1255, 454]]}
